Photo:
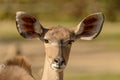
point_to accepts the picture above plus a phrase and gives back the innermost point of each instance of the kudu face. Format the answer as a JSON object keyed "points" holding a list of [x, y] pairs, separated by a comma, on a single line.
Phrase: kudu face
{"points": [[58, 40]]}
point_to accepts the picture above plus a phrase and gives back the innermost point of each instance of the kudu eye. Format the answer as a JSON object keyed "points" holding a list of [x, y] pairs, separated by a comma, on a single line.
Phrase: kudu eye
{"points": [[46, 41]]}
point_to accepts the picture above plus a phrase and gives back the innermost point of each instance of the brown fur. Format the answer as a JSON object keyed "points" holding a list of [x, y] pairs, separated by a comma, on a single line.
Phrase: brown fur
{"points": [[21, 62], [59, 33], [90, 20], [17, 68]]}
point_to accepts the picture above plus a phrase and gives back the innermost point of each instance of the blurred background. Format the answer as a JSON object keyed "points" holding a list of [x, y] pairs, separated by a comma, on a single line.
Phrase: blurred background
{"points": [[98, 59]]}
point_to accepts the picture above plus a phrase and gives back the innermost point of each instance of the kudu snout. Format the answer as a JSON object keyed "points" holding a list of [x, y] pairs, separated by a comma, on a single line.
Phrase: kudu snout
{"points": [[58, 63]]}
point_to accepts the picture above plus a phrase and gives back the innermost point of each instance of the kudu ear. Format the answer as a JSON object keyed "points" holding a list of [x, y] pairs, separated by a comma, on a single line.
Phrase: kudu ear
{"points": [[28, 26], [90, 27]]}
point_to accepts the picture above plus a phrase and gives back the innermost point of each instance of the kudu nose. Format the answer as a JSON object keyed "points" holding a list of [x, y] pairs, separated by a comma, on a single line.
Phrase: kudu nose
{"points": [[59, 61]]}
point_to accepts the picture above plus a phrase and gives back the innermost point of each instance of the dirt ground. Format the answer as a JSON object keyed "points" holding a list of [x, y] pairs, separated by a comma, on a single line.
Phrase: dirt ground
{"points": [[85, 57]]}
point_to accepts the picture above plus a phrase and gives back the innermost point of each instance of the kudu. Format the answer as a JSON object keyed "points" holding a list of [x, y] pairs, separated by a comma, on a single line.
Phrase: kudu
{"points": [[57, 40]]}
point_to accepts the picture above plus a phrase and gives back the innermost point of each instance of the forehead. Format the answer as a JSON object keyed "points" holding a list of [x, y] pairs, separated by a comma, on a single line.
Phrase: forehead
{"points": [[59, 33]]}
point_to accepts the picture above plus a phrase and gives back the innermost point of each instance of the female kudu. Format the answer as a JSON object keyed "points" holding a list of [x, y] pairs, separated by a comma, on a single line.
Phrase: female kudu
{"points": [[58, 40]]}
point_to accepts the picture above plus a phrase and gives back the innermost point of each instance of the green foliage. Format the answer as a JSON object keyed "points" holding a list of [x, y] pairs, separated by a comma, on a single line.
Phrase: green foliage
{"points": [[112, 9], [60, 9]]}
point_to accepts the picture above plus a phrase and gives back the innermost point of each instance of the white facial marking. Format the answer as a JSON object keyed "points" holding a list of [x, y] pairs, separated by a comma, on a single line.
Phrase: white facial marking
{"points": [[57, 67]]}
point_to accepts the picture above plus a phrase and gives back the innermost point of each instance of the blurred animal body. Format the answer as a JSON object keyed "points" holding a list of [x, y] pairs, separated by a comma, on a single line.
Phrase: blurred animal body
{"points": [[17, 68]]}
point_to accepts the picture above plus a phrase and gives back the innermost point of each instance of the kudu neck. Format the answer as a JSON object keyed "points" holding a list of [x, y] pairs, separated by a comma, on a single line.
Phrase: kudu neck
{"points": [[49, 73]]}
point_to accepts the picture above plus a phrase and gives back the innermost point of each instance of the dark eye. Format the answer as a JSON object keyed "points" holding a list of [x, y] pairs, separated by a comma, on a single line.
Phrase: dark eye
{"points": [[70, 41], [46, 41]]}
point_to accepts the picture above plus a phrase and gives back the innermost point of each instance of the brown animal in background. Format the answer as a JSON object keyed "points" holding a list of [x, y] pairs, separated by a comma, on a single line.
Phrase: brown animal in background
{"points": [[58, 40], [17, 68]]}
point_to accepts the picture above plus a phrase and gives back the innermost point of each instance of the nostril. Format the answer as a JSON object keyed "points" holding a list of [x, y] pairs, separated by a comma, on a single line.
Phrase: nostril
{"points": [[59, 61], [62, 62], [56, 60]]}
